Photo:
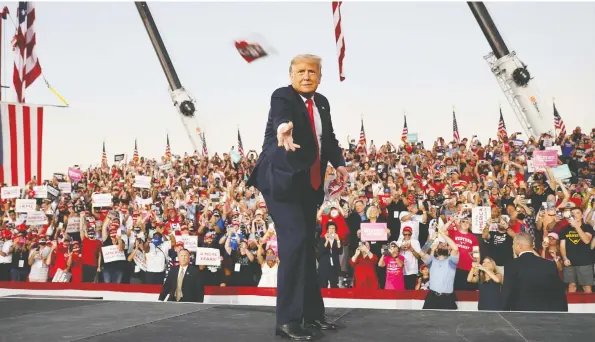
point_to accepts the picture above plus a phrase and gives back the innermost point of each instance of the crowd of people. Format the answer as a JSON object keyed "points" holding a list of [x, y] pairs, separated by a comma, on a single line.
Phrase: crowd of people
{"points": [[126, 223]]}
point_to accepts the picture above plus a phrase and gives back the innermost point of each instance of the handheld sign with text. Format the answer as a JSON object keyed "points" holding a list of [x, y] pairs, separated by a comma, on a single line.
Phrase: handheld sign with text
{"points": [[74, 225], [479, 218], [545, 158], [25, 205], [35, 218], [102, 200], [75, 174], [373, 232], [190, 242], [11, 192], [112, 253], [208, 256]]}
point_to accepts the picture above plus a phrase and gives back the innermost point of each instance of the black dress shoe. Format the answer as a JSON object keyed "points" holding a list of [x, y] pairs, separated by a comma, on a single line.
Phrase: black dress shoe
{"points": [[321, 324], [293, 331]]}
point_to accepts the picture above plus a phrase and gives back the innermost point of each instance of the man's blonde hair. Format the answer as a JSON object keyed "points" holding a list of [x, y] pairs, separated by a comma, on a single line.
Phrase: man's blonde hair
{"points": [[308, 58]]}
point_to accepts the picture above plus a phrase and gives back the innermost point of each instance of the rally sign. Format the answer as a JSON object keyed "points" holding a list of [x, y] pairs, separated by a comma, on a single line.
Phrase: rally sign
{"points": [[208, 256], [112, 253], [373, 232]]}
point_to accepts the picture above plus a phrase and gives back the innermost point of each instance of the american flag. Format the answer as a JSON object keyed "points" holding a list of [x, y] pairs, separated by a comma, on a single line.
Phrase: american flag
{"points": [[339, 39], [559, 123], [502, 127], [26, 64], [362, 139], [405, 131], [21, 129], [240, 145], [135, 156], [455, 128], [104, 156], [167, 150], [205, 151]]}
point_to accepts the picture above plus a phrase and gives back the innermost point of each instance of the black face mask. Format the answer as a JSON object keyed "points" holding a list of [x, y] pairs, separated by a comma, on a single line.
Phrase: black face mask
{"points": [[442, 252], [521, 216]]}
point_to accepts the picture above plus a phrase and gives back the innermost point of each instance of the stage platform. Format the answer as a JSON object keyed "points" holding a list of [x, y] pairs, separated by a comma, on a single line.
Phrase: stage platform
{"points": [[33, 319]]}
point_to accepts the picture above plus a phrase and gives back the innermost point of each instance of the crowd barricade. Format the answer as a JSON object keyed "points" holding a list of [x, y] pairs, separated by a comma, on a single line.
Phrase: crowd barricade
{"points": [[333, 298]]}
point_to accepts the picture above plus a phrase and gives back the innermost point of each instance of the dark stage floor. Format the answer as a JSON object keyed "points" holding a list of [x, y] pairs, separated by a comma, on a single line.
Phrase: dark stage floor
{"points": [[96, 320]]}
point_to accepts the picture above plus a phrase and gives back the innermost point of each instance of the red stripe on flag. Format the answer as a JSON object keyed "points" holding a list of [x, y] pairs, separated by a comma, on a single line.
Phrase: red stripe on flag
{"points": [[12, 122], [39, 142], [27, 141]]}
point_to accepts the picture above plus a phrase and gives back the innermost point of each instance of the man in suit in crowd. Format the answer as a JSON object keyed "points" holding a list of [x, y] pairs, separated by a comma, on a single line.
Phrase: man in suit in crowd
{"points": [[299, 142], [183, 283], [532, 283]]}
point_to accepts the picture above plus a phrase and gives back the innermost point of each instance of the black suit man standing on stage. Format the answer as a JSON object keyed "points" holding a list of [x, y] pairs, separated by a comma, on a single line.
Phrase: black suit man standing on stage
{"points": [[299, 142], [532, 283], [184, 283]]}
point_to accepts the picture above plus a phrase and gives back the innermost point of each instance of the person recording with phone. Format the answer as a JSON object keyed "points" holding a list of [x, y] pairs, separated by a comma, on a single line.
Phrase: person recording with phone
{"points": [[329, 250], [489, 281], [442, 261], [364, 267], [394, 262]]}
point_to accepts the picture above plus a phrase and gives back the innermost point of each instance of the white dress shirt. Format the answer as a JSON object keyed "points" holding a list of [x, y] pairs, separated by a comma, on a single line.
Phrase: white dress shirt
{"points": [[317, 123]]}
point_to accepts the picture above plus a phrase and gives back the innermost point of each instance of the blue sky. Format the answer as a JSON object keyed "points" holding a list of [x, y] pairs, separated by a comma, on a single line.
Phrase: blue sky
{"points": [[422, 57]]}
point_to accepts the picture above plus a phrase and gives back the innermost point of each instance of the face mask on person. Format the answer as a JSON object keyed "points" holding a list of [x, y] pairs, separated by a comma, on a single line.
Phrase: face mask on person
{"points": [[334, 213], [442, 252], [270, 258], [157, 241]]}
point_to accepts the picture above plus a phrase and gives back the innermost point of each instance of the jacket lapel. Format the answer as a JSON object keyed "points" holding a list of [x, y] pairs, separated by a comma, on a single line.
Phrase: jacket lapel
{"points": [[305, 117]]}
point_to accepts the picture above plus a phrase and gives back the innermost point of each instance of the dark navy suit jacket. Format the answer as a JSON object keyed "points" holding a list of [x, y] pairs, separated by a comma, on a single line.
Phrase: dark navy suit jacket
{"points": [[279, 173], [532, 284]]}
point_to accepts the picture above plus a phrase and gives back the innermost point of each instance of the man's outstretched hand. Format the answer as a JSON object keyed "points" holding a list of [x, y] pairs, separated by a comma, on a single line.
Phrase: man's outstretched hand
{"points": [[285, 137], [342, 174]]}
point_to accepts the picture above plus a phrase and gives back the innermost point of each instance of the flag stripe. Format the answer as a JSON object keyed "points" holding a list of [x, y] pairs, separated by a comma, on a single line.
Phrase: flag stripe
{"points": [[339, 39], [39, 143], [27, 141], [12, 121], [21, 144]]}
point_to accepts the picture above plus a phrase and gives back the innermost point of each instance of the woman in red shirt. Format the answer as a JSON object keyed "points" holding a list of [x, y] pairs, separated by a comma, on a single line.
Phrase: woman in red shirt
{"points": [[364, 268], [75, 263]]}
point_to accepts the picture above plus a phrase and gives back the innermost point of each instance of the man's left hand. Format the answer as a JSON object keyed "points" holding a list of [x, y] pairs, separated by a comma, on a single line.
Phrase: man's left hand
{"points": [[342, 174]]}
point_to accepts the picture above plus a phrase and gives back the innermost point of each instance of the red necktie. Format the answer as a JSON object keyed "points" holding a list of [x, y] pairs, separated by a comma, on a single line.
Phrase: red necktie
{"points": [[315, 169]]}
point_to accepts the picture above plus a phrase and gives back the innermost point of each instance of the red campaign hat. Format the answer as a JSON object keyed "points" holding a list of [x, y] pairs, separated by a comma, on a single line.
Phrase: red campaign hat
{"points": [[407, 229], [180, 244]]}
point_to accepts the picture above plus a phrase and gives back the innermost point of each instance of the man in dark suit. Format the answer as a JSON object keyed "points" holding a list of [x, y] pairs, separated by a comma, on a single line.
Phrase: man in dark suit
{"points": [[184, 283], [532, 283], [299, 142]]}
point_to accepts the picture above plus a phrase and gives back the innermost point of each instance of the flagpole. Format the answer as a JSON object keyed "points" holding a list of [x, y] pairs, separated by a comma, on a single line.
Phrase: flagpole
{"points": [[553, 105]]}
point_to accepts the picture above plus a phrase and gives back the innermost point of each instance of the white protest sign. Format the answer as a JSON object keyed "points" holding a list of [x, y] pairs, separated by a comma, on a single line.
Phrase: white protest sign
{"points": [[208, 256], [190, 242], [11, 192], [139, 259], [65, 187], [143, 182], [52, 192], [112, 253], [165, 167], [102, 200], [25, 205], [41, 191], [555, 148], [74, 225], [479, 217], [35, 218]]}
